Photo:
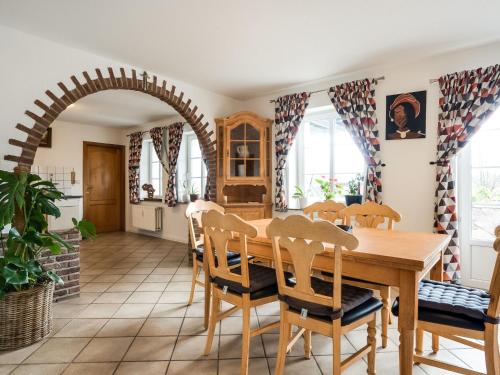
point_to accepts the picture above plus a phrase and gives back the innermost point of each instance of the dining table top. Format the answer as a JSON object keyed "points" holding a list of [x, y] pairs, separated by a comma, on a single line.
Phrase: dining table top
{"points": [[402, 249]]}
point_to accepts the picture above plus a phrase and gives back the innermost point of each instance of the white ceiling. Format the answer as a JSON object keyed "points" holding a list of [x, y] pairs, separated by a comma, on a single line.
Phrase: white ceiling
{"points": [[117, 109], [244, 49]]}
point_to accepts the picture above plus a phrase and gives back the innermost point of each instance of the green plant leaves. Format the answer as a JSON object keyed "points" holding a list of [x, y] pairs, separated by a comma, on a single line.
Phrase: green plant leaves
{"points": [[55, 277], [86, 228], [15, 275]]}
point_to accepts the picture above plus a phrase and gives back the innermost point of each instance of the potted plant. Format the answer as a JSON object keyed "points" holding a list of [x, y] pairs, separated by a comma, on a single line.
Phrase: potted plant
{"points": [[354, 190], [193, 193], [300, 195], [329, 187], [26, 288]]}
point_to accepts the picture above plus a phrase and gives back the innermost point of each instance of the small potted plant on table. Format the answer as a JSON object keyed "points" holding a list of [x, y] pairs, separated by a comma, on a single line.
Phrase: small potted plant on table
{"points": [[193, 193], [354, 190], [26, 288]]}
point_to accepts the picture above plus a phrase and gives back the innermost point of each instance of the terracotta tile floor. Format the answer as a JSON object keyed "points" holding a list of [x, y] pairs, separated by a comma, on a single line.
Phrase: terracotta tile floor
{"points": [[132, 318]]}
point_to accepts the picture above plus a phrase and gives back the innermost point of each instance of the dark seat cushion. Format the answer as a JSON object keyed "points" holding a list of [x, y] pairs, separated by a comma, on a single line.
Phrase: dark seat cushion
{"points": [[452, 304], [262, 279], [356, 302], [232, 258]]}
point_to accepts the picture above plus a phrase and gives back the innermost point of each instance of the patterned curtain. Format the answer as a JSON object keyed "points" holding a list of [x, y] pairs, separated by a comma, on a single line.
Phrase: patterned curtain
{"points": [[355, 103], [289, 112], [134, 160], [174, 143], [158, 137], [467, 99]]}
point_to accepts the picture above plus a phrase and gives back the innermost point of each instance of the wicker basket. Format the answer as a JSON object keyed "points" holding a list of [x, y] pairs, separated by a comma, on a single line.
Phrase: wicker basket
{"points": [[26, 317]]}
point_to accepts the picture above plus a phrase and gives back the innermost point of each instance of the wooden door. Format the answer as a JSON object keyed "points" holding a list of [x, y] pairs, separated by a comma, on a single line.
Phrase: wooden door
{"points": [[104, 185]]}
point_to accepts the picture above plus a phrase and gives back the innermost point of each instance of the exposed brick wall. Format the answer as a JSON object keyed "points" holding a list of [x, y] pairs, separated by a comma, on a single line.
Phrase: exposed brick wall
{"points": [[66, 265]]}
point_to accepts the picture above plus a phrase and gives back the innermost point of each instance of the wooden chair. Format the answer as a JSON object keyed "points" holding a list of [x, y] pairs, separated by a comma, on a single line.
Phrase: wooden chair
{"points": [[372, 215], [313, 304], [244, 287], [460, 314], [327, 210], [194, 213]]}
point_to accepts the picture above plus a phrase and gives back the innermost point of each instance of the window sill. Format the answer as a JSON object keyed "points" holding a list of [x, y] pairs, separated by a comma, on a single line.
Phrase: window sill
{"points": [[151, 200]]}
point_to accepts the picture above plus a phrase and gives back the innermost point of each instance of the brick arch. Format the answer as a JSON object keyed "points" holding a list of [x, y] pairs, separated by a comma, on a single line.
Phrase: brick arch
{"points": [[113, 82]]}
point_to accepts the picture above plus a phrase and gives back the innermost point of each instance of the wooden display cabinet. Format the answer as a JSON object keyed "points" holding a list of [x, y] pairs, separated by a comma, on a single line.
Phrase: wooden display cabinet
{"points": [[244, 165]]}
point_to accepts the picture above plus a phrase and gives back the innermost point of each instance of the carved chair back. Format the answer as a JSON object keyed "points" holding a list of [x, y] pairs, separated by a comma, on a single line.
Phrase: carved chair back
{"points": [[193, 213], [303, 239], [327, 210], [219, 229], [370, 215]]}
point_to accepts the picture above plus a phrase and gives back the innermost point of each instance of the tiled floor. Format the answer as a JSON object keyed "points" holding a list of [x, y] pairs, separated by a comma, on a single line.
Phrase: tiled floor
{"points": [[132, 318]]}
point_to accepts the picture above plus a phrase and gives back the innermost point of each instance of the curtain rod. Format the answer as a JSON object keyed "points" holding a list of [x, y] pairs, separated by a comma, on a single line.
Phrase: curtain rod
{"points": [[147, 131], [325, 90]]}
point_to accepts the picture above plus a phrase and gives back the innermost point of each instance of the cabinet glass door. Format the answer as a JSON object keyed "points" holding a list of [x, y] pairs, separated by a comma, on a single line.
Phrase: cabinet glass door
{"points": [[244, 151]]}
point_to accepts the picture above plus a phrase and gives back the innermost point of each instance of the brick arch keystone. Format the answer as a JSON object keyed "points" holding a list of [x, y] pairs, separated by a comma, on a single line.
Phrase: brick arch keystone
{"points": [[113, 82]]}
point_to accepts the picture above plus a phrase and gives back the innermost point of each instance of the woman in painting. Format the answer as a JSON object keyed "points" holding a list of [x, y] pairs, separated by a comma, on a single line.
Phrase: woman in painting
{"points": [[404, 112]]}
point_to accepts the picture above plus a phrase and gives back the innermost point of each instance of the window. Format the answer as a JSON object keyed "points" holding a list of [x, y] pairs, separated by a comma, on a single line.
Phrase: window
{"points": [[322, 148], [151, 170], [191, 170]]}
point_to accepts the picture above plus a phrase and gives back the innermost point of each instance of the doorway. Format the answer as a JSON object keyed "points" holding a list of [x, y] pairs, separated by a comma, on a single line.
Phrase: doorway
{"points": [[479, 202], [104, 186]]}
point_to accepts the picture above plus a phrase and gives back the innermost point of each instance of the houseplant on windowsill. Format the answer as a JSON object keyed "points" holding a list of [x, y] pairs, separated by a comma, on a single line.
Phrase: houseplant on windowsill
{"points": [[301, 196], [26, 288], [354, 190], [329, 187], [193, 193]]}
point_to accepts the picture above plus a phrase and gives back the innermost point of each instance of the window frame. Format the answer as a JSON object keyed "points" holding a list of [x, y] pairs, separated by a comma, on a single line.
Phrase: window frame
{"points": [[188, 157], [315, 114], [146, 169]]}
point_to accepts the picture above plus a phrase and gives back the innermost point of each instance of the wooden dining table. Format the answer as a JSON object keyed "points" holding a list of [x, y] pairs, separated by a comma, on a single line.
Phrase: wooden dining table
{"points": [[390, 257]]}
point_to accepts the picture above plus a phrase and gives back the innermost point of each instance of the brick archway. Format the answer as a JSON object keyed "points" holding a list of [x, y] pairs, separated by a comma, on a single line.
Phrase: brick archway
{"points": [[113, 82]]}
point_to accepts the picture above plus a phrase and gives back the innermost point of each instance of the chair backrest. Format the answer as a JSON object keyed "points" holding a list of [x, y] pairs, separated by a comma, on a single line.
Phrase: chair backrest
{"points": [[193, 213], [219, 229], [327, 210], [303, 239], [370, 215], [494, 307]]}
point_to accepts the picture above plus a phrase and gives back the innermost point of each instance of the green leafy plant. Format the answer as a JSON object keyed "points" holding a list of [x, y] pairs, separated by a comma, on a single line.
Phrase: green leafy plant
{"points": [[192, 189], [299, 192], [329, 187], [25, 202], [354, 185]]}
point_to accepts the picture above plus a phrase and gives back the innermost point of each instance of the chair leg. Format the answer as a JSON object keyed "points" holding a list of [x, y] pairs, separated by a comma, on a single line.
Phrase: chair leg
{"points": [[212, 322], [385, 293], [307, 344], [245, 341], [491, 349], [336, 340], [419, 345], [283, 342], [372, 341], [435, 343], [193, 280]]}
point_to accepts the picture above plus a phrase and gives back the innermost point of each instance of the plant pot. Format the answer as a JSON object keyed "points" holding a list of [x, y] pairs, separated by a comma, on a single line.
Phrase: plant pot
{"points": [[193, 197], [351, 199], [302, 202], [26, 316]]}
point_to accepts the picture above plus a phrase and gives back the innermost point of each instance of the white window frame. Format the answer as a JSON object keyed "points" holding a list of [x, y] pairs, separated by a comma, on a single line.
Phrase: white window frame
{"points": [[318, 114], [146, 167]]}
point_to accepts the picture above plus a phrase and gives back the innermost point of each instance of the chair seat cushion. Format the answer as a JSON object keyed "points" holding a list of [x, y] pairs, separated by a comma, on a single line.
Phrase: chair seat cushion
{"points": [[356, 302], [262, 279], [452, 304], [232, 257]]}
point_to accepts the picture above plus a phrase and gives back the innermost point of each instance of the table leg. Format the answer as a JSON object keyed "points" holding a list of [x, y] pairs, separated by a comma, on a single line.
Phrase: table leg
{"points": [[408, 315]]}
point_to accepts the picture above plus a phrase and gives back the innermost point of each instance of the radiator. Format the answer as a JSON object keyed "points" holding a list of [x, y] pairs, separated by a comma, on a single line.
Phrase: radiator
{"points": [[147, 217]]}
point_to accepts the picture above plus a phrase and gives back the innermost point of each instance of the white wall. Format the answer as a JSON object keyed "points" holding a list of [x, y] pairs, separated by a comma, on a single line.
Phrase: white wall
{"points": [[408, 180], [67, 147], [30, 65]]}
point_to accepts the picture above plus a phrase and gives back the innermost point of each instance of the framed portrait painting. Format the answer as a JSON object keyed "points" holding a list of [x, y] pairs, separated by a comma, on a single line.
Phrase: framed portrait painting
{"points": [[405, 116]]}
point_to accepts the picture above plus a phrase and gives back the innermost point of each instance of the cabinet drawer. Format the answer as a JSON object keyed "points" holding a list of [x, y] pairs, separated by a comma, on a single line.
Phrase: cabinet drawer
{"points": [[250, 213]]}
